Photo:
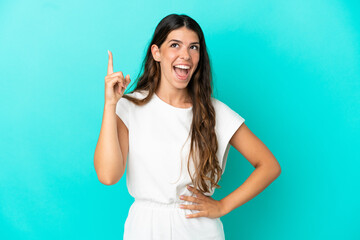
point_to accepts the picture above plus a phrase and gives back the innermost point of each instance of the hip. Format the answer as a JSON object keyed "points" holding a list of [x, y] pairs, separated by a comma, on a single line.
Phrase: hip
{"points": [[154, 220]]}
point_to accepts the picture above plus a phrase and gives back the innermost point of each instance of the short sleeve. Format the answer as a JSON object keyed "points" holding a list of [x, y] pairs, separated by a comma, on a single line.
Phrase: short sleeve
{"points": [[122, 110], [227, 123]]}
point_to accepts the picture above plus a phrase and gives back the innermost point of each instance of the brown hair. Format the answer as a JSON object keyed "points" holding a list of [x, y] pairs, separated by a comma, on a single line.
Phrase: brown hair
{"points": [[203, 136]]}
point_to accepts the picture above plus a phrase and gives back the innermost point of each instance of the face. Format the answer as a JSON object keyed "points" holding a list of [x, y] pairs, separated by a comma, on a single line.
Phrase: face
{"points": [[181, 47]]}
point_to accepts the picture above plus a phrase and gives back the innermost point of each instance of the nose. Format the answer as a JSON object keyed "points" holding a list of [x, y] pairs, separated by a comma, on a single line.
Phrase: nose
{"points": [[185, 55]]}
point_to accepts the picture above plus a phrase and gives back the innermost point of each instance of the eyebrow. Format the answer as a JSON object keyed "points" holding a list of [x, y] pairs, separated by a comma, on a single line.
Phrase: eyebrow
{"points": [[175, 40]]}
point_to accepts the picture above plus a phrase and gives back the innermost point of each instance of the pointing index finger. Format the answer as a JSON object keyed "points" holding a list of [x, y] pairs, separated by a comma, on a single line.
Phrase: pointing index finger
{"points": [[110, 69]]}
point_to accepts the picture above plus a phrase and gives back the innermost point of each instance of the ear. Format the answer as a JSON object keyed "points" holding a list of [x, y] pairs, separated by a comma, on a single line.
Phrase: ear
{"points": [[155, 52]]}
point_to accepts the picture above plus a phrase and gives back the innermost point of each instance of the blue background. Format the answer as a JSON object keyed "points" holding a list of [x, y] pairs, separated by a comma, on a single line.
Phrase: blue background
{"points": [[290, 68]]}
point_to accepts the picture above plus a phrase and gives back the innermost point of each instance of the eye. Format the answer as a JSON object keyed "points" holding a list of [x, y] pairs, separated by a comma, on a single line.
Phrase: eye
{"points": [[174, 44], [197, 48]]}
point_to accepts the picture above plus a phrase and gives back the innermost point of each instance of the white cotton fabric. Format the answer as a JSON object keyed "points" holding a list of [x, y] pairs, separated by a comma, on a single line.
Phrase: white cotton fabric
{"points": [[156, 169]]}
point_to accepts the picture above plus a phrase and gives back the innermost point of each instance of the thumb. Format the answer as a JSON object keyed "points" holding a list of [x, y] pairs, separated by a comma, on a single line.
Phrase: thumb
{"points": [[127, 78]]}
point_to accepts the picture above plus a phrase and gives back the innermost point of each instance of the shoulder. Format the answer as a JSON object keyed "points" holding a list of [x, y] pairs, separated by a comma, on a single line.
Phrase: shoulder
{"points": [[139, 94], [219, 105], [224, 113]]}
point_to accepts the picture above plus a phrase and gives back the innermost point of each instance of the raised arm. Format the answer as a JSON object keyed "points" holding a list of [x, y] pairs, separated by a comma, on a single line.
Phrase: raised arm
{"points": [[112, 146]]}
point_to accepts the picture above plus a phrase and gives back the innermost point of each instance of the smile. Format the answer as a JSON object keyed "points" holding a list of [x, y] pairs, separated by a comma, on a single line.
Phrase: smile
{"points": [[181, 74]]}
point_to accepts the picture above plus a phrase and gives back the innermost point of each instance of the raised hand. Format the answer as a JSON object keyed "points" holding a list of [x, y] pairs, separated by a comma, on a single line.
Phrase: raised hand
{"points": [[115, 83]]}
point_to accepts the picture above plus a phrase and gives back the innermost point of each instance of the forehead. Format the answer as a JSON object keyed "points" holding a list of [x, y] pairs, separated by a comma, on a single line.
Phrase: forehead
{"points": [[183, 34]]}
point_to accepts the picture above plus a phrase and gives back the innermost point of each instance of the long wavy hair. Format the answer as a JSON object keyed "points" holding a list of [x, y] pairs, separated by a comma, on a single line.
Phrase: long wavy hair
{"points": [[204, 144]]}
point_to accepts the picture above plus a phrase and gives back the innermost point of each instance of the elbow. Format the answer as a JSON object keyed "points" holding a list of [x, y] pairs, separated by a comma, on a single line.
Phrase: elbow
{"points": [[273, 169], [277, 169], [107, 177], [107, 182]]}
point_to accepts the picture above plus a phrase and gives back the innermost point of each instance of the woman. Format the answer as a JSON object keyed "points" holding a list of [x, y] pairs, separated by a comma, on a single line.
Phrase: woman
{"points": [[175, 138]]}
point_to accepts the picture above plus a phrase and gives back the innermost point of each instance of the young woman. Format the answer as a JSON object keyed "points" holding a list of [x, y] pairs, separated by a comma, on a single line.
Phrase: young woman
{"points": [[175, 138]]}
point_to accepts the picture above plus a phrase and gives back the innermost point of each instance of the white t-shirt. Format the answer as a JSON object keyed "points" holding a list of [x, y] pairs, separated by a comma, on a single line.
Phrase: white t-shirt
{"points": [[157, 133]]}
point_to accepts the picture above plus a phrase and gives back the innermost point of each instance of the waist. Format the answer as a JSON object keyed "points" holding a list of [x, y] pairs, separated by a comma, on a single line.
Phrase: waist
{"points": [[152, 203]]}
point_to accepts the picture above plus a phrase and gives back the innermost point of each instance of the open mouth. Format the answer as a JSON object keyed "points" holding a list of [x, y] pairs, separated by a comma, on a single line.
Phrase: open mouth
{"points": [[180, 73]]}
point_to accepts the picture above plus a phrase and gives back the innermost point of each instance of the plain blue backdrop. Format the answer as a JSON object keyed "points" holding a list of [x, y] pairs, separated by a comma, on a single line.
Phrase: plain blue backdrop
{"points": [[290, 68]]}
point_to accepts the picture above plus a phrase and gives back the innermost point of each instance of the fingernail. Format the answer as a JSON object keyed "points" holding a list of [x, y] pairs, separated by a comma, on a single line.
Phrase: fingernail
{"points": [[108, 52], [181, 197]]}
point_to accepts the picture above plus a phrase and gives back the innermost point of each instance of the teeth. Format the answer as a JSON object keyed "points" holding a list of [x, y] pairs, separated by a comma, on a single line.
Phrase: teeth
{"points": [[182, 66]]}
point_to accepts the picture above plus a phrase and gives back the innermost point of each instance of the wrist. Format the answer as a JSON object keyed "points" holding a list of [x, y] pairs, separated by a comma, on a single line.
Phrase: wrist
{"points": [[110, 105]]}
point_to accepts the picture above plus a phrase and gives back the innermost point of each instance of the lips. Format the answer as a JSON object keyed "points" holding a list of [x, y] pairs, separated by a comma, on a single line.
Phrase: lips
{"points": [[182, 77]]}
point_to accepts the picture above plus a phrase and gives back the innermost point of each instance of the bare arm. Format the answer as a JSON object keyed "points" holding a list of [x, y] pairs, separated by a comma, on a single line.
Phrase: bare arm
{"points": [[108, 158], [112, 146], [267, 168]]}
